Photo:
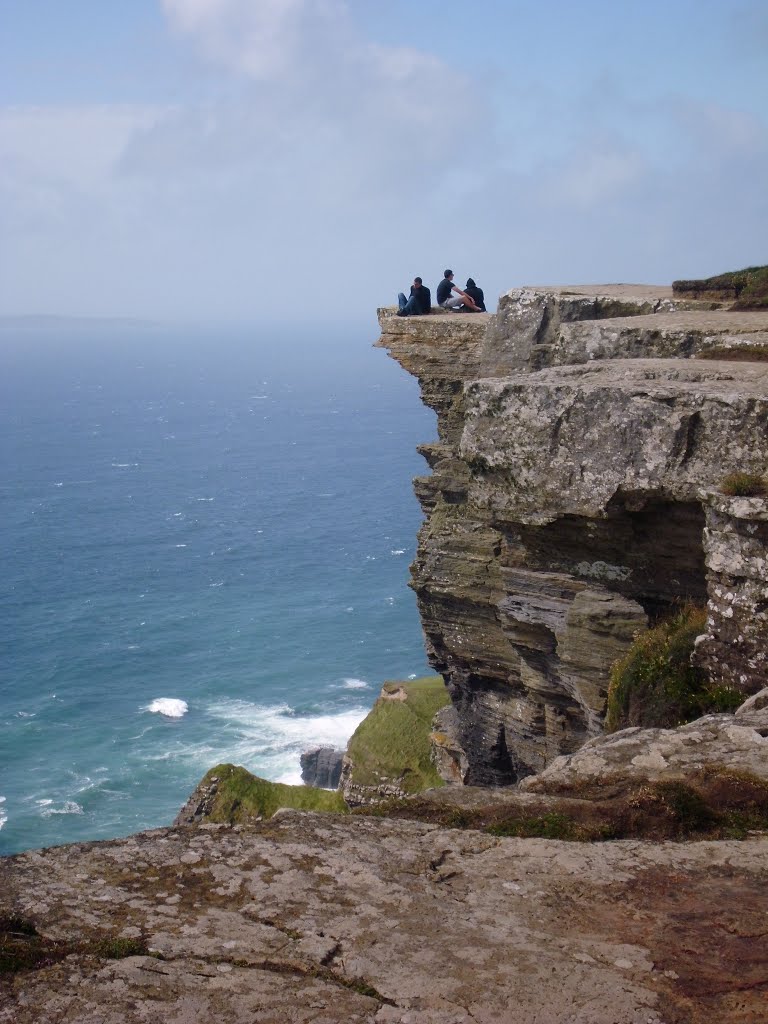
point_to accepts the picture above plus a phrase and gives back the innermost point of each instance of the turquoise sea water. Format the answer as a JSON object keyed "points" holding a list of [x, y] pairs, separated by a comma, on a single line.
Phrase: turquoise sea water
{"points": [[206, 538]]}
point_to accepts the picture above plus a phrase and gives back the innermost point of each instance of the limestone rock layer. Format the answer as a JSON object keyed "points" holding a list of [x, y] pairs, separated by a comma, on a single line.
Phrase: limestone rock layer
{"points": [[573, 499]]}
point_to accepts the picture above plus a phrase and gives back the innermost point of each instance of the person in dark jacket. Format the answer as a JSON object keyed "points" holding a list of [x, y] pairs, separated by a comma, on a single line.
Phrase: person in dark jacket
{"points": [[454, 303], [419, 302], [476, 294]]}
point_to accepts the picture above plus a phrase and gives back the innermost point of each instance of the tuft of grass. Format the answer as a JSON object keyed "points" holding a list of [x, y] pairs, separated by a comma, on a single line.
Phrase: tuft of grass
{"points": [[119, 948], [23, 948], [748, 288], [744, 485], [242, 797], [736, 353], [655, 685], [392, 743]]}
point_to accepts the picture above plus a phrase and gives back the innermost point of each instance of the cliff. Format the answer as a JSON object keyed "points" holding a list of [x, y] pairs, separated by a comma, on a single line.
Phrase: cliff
{"points": [[574, 498]]}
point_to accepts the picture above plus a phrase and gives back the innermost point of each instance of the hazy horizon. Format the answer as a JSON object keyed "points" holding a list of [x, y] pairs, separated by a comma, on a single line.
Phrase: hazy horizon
{"points": [[251, 160]]}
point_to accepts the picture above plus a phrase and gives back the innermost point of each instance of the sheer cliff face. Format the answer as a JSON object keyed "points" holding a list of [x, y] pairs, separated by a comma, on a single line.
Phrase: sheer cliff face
{"points": [[578, 449]]}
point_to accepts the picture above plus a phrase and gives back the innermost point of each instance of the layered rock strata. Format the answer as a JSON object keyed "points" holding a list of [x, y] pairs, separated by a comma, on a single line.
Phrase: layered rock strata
{"points": [[566, 504]]}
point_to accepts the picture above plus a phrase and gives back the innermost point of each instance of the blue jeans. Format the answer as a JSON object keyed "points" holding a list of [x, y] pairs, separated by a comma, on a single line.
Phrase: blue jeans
{"points": [[407, 306]]}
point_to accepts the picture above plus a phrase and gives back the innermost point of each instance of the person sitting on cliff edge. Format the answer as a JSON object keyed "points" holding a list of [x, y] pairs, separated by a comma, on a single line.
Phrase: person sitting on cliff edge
{"points": [[419, 303], [476, 294], [453, 302]]}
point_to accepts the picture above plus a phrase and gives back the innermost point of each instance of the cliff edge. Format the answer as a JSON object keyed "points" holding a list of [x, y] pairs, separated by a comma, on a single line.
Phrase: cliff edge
{"points": [[574, 499]]}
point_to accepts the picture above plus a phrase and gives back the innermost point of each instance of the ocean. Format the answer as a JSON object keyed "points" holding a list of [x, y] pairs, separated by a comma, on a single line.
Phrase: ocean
{"points": [[206, 536]]}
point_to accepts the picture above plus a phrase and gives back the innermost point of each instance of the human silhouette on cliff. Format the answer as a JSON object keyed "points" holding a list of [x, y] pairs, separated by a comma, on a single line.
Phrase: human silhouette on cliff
{"points": [[419, 302]]}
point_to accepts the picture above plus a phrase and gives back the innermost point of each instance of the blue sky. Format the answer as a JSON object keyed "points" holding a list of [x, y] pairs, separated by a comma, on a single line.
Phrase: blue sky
{"points": [[241, 159]]}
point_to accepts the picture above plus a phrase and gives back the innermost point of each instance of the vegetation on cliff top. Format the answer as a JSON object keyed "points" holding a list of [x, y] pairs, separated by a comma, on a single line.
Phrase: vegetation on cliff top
{"points": [[242, 797], [712, 803], [392, 743], [655, 685], [748, 288]]}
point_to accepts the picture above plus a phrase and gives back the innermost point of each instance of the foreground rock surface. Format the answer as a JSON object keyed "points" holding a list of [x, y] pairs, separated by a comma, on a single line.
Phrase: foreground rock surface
{"points": [[311, 918]]}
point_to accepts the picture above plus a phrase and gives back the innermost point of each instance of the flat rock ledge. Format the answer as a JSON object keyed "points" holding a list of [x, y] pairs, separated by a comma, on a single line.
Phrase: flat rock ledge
{"points": [[326, 919]]}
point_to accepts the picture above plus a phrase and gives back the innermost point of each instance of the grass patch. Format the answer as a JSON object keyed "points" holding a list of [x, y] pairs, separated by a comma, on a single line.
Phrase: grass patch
{"points": [[747, 288], [713, 803], [241, 797], [744, 485], [23, 948], [552, 825], [392, 743], [655, 685], [737, 353]]}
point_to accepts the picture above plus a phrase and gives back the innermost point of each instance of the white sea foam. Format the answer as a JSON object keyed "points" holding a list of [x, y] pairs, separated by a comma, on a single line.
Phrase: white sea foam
{"points": [[3, 815], [171, 707], [268, 740], [68, 807], [354, 684], [397, 551], [44, 803]]}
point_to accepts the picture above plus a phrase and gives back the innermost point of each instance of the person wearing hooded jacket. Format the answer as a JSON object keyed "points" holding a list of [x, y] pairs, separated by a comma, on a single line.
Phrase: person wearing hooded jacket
{"points": [[476, 294]]}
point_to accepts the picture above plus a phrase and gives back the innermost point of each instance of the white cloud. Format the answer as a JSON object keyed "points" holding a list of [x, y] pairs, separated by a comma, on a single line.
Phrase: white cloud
{"points": [[260, 38], [323, 158]]}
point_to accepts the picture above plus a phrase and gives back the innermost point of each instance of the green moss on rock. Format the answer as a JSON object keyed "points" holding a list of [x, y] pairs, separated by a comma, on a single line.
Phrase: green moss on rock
{"points": [[241, 796], [655, 685], [392, 743]]}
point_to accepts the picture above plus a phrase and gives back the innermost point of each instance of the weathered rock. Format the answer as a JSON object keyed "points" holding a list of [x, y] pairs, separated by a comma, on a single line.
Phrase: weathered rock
{"points": [[737, 742], [565, 504], [323, 920], [321, 767], [569, 440], [446, 751], [199, 804], [734, 650]]}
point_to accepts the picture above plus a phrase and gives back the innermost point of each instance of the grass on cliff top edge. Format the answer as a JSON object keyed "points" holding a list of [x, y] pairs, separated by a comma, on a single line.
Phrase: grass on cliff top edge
{"points": [[655, 685], [713, 802], [392, 742], [243, 797], [748, 287]]}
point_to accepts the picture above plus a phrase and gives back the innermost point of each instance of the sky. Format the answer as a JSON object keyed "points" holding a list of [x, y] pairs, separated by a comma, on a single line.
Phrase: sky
{"points": [[242, 160]]}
